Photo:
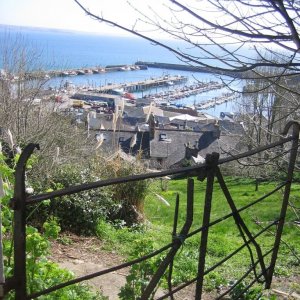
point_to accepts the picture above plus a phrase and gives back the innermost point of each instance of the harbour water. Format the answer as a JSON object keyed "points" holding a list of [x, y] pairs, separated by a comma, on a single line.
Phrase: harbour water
{"points": [[67, 50]]}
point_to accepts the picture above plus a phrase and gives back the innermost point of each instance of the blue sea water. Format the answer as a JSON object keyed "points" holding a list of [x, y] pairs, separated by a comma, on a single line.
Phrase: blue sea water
{"points": [[69, 49]]}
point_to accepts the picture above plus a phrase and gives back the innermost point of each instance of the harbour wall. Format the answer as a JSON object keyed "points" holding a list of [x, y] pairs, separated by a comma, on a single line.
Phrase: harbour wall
{"points": [[190, 68]]}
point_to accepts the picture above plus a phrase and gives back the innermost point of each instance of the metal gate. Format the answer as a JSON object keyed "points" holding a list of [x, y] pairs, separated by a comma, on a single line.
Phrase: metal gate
{"points": [[260, 270]]}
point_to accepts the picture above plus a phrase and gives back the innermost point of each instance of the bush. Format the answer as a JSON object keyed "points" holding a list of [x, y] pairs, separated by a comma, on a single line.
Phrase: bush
{"points": [[128, 196], [77, 213], [140, 274], [40, 272]]}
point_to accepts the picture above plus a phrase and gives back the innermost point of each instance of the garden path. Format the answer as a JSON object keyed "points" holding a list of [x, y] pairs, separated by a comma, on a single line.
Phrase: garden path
{"points": [[85, 255]]}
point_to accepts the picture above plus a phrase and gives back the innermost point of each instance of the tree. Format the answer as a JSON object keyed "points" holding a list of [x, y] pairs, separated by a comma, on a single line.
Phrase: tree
{"points": [[253, 40], [28, 111], [222, 35]]}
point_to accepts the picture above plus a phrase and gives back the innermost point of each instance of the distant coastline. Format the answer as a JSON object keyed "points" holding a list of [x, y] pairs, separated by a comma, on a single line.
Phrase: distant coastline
{"points": [[62, 31]]}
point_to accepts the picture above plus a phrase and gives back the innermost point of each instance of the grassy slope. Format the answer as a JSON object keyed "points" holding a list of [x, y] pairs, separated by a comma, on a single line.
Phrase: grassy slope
{"points": [[224, 237]]}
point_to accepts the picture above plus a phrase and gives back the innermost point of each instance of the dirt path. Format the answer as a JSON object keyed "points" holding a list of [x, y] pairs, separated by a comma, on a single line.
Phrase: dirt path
{"points": [[84, 255]]}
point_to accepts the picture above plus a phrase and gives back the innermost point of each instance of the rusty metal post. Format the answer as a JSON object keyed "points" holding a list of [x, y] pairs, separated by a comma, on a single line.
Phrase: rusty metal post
{"points": [[174, 234], [176, 246], [212, 161], [242, 227], [18, 204], [293, 155]]}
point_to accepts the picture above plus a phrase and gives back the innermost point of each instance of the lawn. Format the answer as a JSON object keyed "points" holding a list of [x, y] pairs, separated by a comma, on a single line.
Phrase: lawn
{"points": [[224, 237]]}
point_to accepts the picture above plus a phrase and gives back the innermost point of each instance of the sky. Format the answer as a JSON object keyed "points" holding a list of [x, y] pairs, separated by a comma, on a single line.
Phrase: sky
{"points": [[63, 14]]}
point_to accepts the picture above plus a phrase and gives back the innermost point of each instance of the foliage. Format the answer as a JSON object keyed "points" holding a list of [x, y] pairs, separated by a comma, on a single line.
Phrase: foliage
{"points": [[251, 294], [140, 274], [79, 212], [40, 272], [129, 197], [118, 237]]}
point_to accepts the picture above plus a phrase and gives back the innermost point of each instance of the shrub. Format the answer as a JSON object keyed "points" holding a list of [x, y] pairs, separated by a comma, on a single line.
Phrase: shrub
{"points": [[79, 212], [40, 272], [128, 196], [140, 274]]}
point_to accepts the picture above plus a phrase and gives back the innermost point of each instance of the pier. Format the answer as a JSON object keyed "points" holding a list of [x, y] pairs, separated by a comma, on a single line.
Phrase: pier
{"points": [[217, 101], [190, 68], [96, 70], [70, 72], [144, 84], [186, 91]]}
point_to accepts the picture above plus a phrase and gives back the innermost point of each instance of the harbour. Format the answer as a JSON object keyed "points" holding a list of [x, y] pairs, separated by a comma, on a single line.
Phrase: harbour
{"points": [[112, 93]]}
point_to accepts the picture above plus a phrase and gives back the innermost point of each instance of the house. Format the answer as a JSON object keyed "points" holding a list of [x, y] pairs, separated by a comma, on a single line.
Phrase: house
{"points": [[165, 142], [170, 147]]}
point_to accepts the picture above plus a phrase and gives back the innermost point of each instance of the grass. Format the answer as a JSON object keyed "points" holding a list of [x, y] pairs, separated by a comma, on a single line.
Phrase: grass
{"points": [[223, 237]]}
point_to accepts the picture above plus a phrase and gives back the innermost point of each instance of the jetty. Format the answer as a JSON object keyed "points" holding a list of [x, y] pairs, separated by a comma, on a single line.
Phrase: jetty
{"points": [[143, 84], [96, 70], [192, 68], [69, 72], [185, 91], [227, 97]]}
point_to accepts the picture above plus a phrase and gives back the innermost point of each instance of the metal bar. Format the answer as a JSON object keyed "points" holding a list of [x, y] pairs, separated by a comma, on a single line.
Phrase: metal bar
{"points": [[243, 277], [218, 264], [237, 297], [174, 233], [19, 234], [75, 189], [212, 161], [294, 151], [188, 171], [96, 274], [239, 210], [179, 241], [128, 264], [241, 224]]}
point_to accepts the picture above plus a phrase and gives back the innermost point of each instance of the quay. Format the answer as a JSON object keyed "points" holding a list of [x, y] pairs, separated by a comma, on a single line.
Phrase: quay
{"points": [[144, 84], [79, 71], [186, 91], [96, 70], [190, 68], [111, 93], [217, 101]]}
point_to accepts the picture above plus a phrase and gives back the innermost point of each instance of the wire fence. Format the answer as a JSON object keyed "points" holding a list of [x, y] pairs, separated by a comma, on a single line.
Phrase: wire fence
{"points": [[261, 269]]}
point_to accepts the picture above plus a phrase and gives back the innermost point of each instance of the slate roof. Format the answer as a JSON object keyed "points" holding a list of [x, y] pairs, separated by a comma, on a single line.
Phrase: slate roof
{"points": [[171, 149], [106, 122], [122, 139], [231, 127]]}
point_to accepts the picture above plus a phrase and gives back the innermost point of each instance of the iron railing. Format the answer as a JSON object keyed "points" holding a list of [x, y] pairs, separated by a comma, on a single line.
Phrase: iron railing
{"points": [[209, 170]]}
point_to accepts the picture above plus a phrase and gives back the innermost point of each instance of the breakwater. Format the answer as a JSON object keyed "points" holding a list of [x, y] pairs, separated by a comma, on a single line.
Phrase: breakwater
{"points": [[96, 70], [191, 69], [41, 74]]}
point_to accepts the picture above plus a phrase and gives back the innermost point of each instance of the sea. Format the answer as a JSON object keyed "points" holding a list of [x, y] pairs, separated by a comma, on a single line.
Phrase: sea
{"points": [[61, 49]]}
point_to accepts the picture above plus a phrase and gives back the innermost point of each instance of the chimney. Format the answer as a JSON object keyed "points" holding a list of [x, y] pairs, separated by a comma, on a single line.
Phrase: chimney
{"points": [[151, 123]]}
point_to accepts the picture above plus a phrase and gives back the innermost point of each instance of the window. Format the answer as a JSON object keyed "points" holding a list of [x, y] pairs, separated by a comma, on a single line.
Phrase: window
{"points": [[162, 136]]}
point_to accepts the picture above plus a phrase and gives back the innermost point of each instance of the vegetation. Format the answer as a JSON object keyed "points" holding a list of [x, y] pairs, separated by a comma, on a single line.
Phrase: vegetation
{"points": [[224, 238], [155, 231], [41, 272], [115, 214], [122, 204]]}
